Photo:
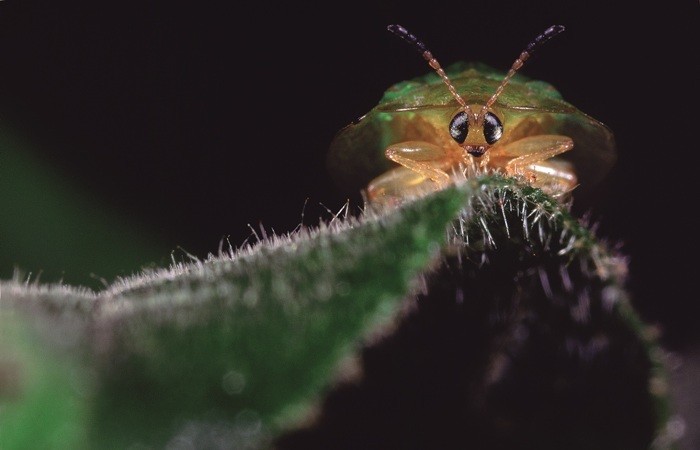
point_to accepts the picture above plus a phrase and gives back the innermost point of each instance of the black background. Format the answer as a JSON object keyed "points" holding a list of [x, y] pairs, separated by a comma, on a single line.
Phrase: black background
{"points": [[197, 119]]}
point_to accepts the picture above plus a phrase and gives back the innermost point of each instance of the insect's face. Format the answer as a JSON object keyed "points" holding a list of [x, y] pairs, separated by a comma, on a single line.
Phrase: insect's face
{"points": [[476, 133]]}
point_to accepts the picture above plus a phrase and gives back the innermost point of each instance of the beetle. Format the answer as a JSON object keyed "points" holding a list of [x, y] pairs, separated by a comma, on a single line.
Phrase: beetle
{"points": [[427, 132]]}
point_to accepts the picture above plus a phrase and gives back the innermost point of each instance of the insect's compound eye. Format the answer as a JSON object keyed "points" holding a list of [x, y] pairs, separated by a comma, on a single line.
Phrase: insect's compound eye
{"points": [[493, 128], [459, 127]]}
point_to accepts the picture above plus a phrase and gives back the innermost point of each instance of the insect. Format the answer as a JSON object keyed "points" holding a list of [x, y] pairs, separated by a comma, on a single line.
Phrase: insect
{"points": [[465, 119]]}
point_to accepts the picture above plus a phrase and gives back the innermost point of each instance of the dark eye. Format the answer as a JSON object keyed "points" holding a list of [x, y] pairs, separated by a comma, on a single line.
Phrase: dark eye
{"points": [[459, 127], [493, 128]]}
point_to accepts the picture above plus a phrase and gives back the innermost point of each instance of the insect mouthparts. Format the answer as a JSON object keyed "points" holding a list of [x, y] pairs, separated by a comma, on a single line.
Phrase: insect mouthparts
{"points": [[476, 150]]}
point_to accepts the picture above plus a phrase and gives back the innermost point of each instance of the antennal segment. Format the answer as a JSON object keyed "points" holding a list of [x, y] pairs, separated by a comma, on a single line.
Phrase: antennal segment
{"points": [[425, 53], [548, 34]]}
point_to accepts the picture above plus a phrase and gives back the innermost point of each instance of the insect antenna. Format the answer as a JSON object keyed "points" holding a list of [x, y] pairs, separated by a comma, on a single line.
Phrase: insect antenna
{"points": [[425, 53], [548, 34]]}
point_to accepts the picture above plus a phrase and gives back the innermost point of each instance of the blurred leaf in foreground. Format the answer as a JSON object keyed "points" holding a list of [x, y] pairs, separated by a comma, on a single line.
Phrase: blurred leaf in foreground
{"points": [[48, 226]]}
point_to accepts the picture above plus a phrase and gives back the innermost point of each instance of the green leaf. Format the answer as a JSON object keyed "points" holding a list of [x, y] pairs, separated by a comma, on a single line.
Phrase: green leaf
{"points": [[238, 348], [241, 345], [43, 390], [523, 337]]}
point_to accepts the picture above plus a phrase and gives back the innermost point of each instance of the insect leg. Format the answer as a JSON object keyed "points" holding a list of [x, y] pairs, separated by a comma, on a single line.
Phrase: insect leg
{"points": [[429, 160], [517, 155], [553, 176], [528, 156], [396, 185]]}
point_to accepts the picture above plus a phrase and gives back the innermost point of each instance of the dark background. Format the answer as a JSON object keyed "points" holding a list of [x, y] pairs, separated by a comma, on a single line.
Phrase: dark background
{"points": [[191, 121]]}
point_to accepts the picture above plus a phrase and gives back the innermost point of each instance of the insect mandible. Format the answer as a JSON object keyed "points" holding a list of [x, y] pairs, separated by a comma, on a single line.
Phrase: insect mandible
{"points": [[465, 119]]}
